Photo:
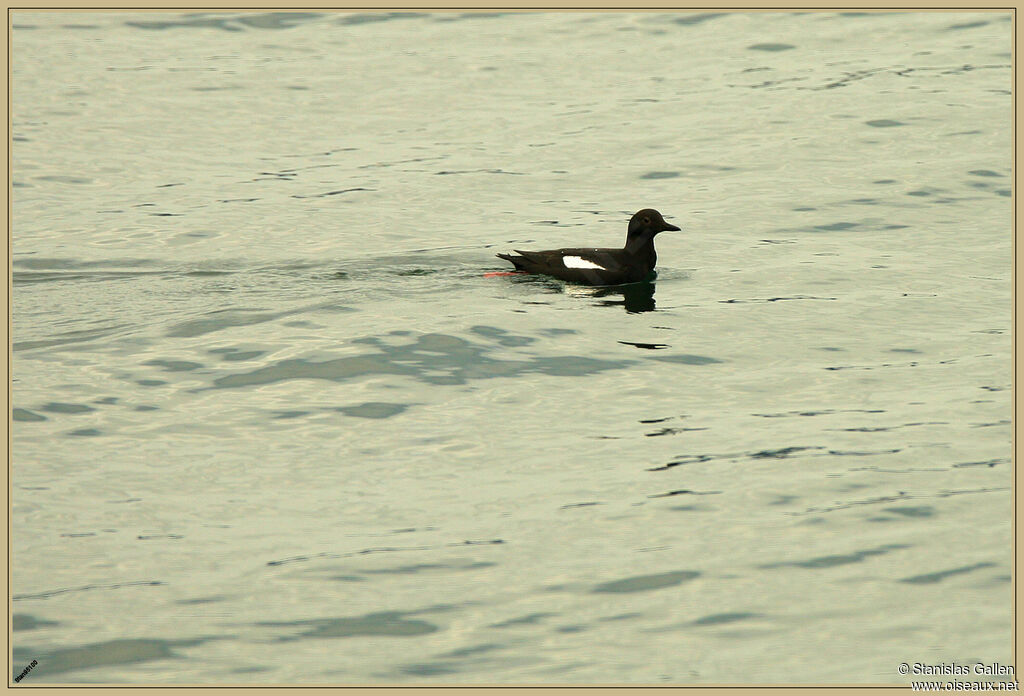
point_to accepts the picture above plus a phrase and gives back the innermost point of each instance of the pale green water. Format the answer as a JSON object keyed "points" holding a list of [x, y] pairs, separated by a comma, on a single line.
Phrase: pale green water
{"points": [[272, 424]]}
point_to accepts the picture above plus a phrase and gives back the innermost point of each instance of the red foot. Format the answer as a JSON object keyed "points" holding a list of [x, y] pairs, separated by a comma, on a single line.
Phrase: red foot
{"points": [[495, 274]]}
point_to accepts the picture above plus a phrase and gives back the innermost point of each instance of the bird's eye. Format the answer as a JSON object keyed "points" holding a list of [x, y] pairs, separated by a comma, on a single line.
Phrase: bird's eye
{"points": [[647, 221]]}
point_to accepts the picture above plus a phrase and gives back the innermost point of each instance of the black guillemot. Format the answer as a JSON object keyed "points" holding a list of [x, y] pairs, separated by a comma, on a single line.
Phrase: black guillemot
{"points": [[633, 263]]}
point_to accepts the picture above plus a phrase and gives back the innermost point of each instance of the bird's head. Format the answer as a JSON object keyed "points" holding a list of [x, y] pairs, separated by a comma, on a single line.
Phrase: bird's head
{"points": [[647, 223]]}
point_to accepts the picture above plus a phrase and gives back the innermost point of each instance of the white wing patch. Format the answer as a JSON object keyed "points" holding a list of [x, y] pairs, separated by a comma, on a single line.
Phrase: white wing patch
{"points": [[578, 262]]}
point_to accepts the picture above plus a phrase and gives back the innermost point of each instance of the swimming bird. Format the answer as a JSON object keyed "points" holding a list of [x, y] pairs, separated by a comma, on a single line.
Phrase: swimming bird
{"points": [[633, 263]]}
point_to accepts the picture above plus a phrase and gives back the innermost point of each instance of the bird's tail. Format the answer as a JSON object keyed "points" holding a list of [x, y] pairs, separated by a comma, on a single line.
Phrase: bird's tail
{"points": [[516, 261]]}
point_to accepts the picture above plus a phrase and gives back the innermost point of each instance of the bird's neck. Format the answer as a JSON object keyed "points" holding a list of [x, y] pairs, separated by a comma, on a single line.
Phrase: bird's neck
{"points": [[642, 247]]}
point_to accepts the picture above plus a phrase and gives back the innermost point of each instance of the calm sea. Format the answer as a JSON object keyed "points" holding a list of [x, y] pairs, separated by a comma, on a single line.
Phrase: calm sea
{"points": [[275, 423]]}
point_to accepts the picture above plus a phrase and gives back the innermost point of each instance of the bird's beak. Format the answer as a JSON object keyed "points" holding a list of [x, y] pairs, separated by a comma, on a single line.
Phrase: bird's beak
{"points": [[669, 228]]}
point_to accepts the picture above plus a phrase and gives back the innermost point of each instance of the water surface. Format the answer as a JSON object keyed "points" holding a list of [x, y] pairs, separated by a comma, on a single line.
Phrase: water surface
{"points": [[274, 424]]}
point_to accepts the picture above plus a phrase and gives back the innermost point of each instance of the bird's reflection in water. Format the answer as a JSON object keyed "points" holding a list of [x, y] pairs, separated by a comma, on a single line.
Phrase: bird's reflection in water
{"points": [[634, 297]]}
